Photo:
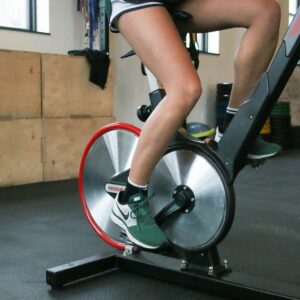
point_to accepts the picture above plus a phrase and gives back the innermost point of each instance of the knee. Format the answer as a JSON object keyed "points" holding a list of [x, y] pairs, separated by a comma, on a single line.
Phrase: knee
{"points": [[187, 95], [270, 14], [272, 11], [193, 91]]}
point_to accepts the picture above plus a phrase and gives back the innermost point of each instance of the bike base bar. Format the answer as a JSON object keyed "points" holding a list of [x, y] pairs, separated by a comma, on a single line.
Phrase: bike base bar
{"points": [[233, 285]]}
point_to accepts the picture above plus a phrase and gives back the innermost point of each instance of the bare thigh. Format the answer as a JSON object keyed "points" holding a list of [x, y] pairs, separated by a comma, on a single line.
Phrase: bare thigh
{"points": [[153, 35], [212, 15]]}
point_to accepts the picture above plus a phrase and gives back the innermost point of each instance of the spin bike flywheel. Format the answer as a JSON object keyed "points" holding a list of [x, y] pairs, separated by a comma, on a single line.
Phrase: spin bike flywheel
{"points": [[186, 182], [187, 173]]}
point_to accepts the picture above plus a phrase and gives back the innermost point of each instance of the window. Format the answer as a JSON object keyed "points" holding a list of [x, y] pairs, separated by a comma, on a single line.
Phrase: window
{"points": [[27, 15], [293, 5], [207, 42]]}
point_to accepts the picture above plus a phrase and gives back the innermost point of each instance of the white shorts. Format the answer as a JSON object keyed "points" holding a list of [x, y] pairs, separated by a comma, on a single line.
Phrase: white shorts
{"points": [[120, 7]]}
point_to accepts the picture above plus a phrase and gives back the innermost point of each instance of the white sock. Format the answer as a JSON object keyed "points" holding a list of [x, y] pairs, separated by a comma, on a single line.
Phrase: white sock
{"points": [[143, 187]]}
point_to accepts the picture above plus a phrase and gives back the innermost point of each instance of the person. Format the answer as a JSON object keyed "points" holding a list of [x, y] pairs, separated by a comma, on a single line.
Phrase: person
{"points": [[150, 30]]}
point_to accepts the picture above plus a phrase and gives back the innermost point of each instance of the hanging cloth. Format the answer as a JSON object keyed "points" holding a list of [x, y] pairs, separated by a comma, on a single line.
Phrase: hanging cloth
{"points": [[99, 65], [99, 60]]}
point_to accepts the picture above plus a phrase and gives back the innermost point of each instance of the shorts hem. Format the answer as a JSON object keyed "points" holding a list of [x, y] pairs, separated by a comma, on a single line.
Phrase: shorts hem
{"points": [[114, 29]]}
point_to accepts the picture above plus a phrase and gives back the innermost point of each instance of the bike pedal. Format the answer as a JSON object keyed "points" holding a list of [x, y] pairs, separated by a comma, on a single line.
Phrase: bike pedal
{"points": [[130, 247], [131, 250], [211, 143], [255, 163]]}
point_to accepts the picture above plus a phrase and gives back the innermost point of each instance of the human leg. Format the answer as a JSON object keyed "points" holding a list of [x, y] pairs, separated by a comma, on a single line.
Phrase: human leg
{"points": [[154, 37], [261, 18]]}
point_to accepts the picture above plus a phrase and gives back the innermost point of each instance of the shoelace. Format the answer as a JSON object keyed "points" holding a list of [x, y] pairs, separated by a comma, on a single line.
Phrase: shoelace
{"points": [[139, 210]]}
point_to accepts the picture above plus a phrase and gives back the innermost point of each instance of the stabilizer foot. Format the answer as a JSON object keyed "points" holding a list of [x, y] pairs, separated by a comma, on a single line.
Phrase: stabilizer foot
{"points": [[230, 285]]}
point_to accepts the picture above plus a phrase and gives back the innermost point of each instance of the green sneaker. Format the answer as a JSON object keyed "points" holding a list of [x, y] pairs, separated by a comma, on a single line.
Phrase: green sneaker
{"points": [[136, 220], [262, 149]]}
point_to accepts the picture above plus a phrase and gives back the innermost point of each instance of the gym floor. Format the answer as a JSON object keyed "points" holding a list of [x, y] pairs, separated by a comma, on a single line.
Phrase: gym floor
{"points": [[43, 225]]}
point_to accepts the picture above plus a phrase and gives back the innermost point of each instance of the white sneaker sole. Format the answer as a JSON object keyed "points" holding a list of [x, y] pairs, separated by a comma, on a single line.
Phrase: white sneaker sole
{"points": [[219, 136], [119, 223], [253, 156]]}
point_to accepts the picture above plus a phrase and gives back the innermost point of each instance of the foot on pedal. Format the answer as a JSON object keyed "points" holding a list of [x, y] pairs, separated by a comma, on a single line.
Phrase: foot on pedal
{"points": [[134, 218], [262, 150]]}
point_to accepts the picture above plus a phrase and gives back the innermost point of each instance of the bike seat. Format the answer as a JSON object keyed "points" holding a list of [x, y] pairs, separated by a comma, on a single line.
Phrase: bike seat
{"points": [[179, 15]]}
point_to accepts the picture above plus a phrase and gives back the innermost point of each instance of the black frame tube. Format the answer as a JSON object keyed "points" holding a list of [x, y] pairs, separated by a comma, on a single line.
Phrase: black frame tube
{"points": [[244, 128], [230, 285]]}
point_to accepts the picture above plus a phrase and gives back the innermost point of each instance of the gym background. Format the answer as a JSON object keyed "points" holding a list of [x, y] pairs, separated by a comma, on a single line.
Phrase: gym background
{"points": [[49, 109], [48, 112]]}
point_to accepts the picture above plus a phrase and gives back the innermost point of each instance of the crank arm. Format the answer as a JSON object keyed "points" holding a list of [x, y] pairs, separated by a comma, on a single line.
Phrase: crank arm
{"points": [[166, 212]]}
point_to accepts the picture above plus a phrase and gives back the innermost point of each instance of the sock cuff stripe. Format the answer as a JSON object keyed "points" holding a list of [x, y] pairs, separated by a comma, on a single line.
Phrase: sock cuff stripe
{"points": [[232, 108], [137, 185], [232, 112]]}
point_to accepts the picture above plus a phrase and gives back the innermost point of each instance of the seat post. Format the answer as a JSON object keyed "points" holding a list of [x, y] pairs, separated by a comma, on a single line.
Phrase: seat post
{"points": [[157, 93], [152, 80]]}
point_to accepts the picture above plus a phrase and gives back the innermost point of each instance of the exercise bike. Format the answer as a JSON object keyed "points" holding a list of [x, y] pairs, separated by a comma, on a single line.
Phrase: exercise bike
{"points": [[193, 183]]}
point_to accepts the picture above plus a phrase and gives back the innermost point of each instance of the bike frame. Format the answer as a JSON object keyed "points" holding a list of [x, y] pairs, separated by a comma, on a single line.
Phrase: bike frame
{"points": [[232, 152], [246, 125], [250, 118]]}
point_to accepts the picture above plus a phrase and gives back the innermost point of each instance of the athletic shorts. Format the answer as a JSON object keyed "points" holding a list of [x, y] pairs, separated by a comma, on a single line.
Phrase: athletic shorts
{"points": [[119, 7]]}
